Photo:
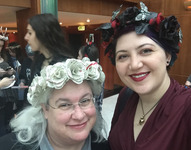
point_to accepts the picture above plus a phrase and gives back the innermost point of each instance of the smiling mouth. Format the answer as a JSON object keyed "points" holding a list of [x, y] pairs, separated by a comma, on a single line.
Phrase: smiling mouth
{"points": [[78, 126], [139, 77]]}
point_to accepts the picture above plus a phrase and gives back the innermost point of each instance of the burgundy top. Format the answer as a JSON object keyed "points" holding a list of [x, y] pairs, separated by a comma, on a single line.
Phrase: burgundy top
{"points": [[167, 128]]}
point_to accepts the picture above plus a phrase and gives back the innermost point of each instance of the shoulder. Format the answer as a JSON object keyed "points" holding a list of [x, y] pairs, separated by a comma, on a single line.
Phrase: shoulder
{"points": [[104, 145], [10, 142], [58, 59]]}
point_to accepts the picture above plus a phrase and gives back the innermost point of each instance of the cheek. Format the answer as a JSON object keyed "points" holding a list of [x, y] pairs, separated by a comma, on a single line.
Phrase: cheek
{"points": [[58, 118], [121, 68], [91, 113], [62, 118]]}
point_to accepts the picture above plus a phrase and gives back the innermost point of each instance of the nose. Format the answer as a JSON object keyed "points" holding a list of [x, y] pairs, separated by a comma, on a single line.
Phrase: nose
{"points": [[135, 62], [26, 37], [78, 113]]}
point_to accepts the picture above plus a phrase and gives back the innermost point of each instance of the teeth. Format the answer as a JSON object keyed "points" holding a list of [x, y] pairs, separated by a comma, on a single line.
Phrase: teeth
{"points": [[138, 76]]}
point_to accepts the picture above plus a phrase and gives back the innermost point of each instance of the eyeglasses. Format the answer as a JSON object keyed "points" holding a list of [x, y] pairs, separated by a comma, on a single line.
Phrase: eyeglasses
{"points": [[69, 107]]}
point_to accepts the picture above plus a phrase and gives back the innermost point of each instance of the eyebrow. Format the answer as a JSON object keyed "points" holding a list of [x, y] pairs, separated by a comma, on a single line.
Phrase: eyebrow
{"points": [[68, 100], [144, 45], [136, 48]]}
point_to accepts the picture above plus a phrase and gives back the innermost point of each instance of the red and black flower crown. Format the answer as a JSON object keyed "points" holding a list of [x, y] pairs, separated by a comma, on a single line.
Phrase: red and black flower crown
{"points": [[164, 31]]}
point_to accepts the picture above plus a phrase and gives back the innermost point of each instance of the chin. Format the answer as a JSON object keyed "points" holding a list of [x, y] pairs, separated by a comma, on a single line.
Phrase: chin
{"points": [[80, 136], [142, 91]]}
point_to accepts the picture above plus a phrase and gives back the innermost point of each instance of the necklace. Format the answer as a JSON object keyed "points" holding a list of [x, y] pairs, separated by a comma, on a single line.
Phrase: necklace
{"points": [[142, 119]]}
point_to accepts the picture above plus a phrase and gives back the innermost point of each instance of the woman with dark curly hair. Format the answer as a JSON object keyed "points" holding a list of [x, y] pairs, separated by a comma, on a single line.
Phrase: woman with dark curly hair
{"points": [[157, 109], [47, 41]]}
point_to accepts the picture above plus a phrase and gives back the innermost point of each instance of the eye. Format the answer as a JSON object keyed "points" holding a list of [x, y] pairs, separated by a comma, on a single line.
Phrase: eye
{"points": [[146, 51], [85, 101], [121, 57], [64, 105]]}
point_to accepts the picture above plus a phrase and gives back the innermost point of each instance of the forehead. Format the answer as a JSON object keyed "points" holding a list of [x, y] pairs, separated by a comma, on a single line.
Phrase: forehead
{"points": [[72, 91], [29, 27], [132, 40]]}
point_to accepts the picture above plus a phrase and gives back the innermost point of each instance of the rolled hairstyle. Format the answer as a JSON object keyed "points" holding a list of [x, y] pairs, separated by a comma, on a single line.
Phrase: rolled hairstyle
{"points": [[90, 51], [165, 32]]}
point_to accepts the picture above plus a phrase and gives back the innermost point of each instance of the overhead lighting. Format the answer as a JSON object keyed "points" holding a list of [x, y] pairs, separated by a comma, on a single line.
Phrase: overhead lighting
{"points": [[88, 20], [187, 5], [60, 23], [81, 28]]}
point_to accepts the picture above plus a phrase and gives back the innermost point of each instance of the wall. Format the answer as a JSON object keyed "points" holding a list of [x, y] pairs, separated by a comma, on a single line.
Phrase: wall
{"points": [[22, 18], [182, 67]]}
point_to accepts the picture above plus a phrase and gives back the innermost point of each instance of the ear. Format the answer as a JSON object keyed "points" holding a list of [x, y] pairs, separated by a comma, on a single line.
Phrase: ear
{"points": [[45, 111], [168, 58]]}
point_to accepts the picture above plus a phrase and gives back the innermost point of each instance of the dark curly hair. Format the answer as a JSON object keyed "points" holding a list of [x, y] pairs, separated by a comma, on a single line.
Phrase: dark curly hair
{"points": [[90, 51], [165, 32]]}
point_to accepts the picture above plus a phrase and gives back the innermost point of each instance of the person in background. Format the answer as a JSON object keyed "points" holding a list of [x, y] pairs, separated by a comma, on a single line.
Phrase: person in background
{"points": [[156, 116], [91, 51], [15, 59], [6, 79], [47, 41], [25, 73], [5, 69], [188, 81], [6, 82], [62, 114]]}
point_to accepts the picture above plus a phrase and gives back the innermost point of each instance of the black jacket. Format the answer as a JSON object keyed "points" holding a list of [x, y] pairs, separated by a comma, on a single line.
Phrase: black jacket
{"points": [[10, 142]]}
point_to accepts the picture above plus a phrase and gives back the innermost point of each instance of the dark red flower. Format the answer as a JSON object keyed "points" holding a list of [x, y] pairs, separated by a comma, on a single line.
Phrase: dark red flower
{"points": [[155, 22], [115, 24]]}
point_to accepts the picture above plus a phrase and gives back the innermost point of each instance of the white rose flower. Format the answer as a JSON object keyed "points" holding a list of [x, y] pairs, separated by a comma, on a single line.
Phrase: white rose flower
{"points": [[76, 70], [56, 76], [38, 86], [93, 70]]}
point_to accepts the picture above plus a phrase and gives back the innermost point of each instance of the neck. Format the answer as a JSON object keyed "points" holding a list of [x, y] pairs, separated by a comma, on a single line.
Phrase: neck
{"points": [[65, 145], [46, 53]]}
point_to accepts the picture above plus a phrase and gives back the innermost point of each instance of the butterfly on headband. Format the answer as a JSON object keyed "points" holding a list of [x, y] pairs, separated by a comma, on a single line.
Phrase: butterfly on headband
{"points": [[144, 12]]}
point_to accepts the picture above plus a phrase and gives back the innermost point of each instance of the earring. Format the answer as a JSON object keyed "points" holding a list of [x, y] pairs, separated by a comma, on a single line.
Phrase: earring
{"points": [[167, 62]]}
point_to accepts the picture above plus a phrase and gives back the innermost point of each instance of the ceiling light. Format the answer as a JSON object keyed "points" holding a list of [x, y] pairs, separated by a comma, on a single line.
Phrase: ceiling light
{"points": [[187, 5], [60, 23], [88, 20]]}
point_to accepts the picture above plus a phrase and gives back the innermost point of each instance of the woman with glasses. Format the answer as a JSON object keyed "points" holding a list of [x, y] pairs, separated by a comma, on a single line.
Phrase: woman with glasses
{"points": [[62, 115]]}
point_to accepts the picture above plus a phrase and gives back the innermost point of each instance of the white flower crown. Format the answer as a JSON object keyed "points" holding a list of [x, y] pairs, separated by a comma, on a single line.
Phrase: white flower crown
{"points": [[57, 75]]}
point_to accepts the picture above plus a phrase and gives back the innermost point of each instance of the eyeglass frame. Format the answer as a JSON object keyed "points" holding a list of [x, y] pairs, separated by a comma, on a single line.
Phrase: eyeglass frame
{"points": [[73, 105]]}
